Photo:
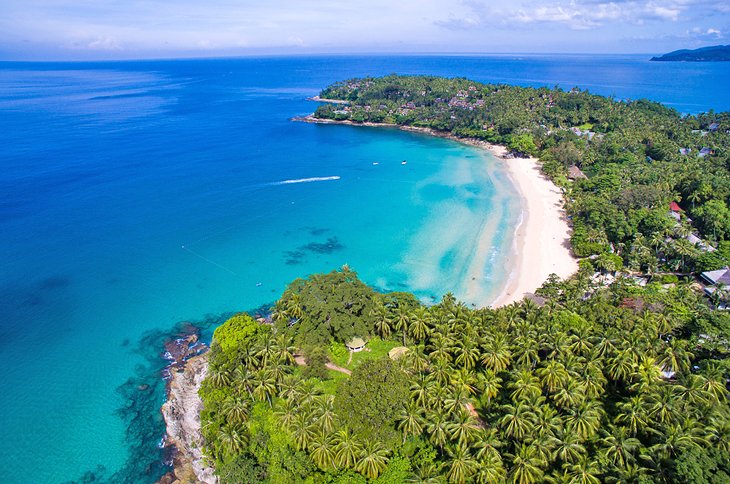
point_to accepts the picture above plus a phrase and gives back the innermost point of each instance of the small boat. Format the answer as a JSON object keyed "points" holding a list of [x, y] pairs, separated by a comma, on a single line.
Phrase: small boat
{"points": [[403, 162], [375, 163]]}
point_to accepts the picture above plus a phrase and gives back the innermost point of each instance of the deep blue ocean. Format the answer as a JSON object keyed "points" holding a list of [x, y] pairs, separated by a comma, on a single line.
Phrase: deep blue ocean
{"points": [[136, 196]]}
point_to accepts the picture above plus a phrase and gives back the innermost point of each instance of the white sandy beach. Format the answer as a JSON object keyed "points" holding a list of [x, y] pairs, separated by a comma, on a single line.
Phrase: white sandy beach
{"points": [[542, 239]]}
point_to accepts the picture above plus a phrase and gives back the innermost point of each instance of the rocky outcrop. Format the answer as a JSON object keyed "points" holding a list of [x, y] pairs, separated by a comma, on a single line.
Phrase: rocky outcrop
{"points": [[181, 412]]}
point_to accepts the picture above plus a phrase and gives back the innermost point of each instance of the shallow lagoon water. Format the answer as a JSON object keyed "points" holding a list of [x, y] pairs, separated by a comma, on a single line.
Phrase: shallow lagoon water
{"points": [[136, 195]]}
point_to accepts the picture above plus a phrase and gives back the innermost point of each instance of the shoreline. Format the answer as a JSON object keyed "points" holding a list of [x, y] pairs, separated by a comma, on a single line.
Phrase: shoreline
{"points": [[181, 412], [541, 239]]}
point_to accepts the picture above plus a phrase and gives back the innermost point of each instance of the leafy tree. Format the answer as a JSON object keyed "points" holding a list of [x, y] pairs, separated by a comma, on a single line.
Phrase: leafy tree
{"points": [[370, 402]]}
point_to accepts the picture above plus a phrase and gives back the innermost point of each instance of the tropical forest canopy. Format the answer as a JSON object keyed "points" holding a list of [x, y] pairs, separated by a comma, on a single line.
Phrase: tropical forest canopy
{"points": [[628, 385]]}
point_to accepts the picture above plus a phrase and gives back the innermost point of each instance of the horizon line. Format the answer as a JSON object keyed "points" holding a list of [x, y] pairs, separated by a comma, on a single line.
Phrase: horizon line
{"points": [[322, 54]]}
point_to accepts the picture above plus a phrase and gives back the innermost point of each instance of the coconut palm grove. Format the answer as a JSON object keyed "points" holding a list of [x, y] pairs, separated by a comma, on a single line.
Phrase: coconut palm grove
{"points": [[618, 374]]}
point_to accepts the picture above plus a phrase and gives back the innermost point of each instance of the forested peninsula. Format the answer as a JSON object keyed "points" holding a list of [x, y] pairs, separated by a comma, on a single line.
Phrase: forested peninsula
{"points": [[715, 53], [618, 374]]}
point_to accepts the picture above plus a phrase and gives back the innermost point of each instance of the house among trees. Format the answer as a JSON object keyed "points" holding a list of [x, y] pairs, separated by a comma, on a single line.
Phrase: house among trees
{"points": [[675, 210], [713, 127], [356, 344], [685, 151], [575, 173], [719, 276]]}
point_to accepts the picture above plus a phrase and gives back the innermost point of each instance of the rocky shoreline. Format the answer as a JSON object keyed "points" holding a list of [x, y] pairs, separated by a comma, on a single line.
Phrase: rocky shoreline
{"points": [[181, 411]]}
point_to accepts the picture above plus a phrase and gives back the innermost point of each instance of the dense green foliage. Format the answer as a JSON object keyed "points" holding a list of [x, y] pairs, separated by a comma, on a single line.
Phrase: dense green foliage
{"points": [[570, 391], [631, 151], [370, 401], [326, 306]]}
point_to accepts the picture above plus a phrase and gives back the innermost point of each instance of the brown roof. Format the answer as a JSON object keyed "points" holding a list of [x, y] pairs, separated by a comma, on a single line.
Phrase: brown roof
{"points": [[575, 173]]}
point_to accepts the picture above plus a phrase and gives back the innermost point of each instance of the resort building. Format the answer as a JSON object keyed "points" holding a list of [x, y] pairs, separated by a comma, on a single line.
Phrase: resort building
{"points": [[356, 344]]}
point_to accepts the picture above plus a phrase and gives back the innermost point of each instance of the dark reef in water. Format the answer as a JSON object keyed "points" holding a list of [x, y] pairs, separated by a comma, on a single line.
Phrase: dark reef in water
{"points": [[142, 395], [298, 256]]}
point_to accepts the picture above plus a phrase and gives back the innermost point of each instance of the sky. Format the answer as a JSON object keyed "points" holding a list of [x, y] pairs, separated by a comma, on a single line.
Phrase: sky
{"points": [[129, 29]]}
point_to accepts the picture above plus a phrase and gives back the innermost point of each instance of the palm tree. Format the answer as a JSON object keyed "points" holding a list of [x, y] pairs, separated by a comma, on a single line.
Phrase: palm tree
{"points": [[490, 469], [618, 447], [244, 380], [526, 466], [264, 385], [675, 357], [461, 464], [486, 442], [517, 421], [466, 354], [347, 449], [302, 430], [268, 350], [232, 440], [382, 321], [585, 419], [437, 428], [220, 377], [621, 366], [464, 380], [402, 321], [421, 321], [568, 447], [633, 414], [287, 412], [463, 429], [647, 374], [324, 410], [525, 385], [235, 410], [373, 459], [552, 375], [290, 387], [322, 451], [584, 472], [441, 348], [684, 248], [294, 307], [489, 384], [664, 402], [677, 438], [284, 349], [410, 420], [497, 355], [570, 394], [420, 389]]}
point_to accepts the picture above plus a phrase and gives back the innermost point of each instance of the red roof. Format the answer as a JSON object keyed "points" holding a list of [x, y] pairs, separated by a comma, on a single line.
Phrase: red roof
{"points": [[674, 207]]}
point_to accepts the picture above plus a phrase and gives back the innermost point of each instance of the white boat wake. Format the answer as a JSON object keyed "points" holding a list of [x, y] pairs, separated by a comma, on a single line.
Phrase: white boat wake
{"points": [[305, 180]]}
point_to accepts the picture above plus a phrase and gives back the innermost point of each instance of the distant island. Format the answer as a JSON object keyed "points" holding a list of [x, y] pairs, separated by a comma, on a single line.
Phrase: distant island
{"points": [[715, 53]]}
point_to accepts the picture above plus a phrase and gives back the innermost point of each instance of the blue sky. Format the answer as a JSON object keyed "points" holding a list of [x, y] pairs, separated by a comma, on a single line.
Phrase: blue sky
{"points": [[118, 29]]}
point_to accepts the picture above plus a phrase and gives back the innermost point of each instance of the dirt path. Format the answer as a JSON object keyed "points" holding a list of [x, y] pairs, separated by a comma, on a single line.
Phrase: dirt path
{"points": [[334, 367], [302, 362]]}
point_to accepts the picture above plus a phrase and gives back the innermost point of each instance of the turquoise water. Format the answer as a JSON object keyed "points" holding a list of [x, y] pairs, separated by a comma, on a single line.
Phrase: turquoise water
{"points": [[138, 195]]}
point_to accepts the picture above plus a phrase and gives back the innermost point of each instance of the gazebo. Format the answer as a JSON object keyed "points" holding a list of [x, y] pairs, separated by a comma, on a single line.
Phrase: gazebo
{"points": [[356, 344]]}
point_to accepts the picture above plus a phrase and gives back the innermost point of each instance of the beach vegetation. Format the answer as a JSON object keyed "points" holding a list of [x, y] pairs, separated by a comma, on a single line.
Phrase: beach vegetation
{"points": [[628, 382]]}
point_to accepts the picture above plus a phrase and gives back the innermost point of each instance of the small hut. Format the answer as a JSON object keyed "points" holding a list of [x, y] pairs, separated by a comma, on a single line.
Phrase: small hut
{"points": [[356, 344], [575, 173]]}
